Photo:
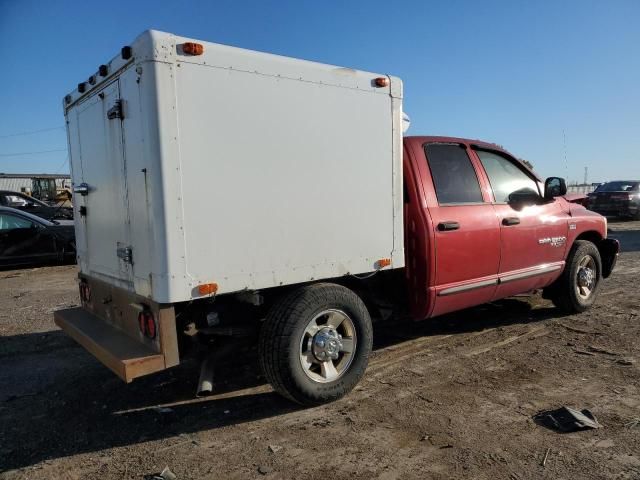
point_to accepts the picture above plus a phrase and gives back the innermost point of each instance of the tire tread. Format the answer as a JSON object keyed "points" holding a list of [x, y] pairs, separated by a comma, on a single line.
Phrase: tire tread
{"points": [[275, 341]]}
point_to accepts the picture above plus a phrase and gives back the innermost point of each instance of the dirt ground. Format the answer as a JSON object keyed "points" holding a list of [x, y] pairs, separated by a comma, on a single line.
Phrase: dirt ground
{"points": [[452, 397]]}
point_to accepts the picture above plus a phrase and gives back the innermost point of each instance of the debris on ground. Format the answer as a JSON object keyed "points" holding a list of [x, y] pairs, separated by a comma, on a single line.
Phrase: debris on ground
{"points": [[566, 419], [165, 474], [264, 470], [584, 352], [633, 423], [274, 448], [580, 330], [604, 351], [627, 362], [546, 455]]}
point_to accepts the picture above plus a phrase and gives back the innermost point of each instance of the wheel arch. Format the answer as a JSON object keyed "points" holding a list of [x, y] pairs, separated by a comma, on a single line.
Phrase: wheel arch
{"points": [[354, 284], [607, 247], [591, 236]]}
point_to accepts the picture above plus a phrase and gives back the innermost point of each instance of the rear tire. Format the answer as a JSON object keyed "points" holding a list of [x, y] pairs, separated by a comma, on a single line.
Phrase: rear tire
{"points": [[577, 288], [315, 343]]}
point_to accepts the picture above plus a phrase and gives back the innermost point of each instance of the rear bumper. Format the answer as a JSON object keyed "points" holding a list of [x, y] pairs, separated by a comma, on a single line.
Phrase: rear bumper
{"points": [[107, 326], [126, 357]]}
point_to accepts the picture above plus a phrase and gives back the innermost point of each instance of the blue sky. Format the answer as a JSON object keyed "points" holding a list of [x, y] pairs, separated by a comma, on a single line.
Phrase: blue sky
{"points": [[514, 72]]}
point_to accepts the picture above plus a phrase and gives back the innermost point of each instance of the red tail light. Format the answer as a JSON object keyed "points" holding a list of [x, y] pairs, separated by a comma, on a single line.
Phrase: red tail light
{"points": [[147, 324], [151, 326]]}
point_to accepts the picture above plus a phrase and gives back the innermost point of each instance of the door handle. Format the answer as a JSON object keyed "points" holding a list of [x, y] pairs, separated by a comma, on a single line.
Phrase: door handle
{"points": [[448, 226], [510, 221], [82, 189]]}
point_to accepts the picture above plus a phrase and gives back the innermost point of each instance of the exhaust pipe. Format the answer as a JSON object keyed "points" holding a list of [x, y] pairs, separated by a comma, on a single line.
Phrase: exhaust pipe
{"points": [[205, 383]]}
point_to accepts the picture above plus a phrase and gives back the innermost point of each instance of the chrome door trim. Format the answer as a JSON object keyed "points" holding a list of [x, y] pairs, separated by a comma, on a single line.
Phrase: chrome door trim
{"points": [[467, 287], [539, 270], [512, 277]]}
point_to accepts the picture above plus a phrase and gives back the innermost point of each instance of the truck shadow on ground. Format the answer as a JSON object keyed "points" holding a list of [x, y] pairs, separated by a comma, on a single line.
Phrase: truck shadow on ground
{"points": [[83, 408]]}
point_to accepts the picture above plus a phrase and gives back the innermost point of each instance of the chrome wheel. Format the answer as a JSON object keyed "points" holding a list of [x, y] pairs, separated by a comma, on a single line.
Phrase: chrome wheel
{"points": [[327, 346], [586, 277]]}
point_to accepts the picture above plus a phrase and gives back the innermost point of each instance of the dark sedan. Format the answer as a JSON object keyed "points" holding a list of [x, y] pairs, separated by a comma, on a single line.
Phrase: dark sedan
{"points": [[32, 205], [26, 239], [620, 198]]}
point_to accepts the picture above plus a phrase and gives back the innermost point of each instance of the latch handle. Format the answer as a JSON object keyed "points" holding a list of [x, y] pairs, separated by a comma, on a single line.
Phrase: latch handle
{"points": [[82, 189], [115, 111], [125, 254]]}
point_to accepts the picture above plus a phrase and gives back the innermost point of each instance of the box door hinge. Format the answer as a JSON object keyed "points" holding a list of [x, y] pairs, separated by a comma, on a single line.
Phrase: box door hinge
{"points": [[125, 254], [115, 111]]}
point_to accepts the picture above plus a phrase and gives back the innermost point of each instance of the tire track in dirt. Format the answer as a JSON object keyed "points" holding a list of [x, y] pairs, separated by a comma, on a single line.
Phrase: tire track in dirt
{"points": [[417, 348]]}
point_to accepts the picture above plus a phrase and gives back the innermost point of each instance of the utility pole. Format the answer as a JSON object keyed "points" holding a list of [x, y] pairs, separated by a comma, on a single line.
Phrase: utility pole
{"points": [[586, 174], [566, 163]]}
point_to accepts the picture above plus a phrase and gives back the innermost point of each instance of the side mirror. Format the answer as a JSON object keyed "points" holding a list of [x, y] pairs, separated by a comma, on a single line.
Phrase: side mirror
{"points": [[554, 187]]}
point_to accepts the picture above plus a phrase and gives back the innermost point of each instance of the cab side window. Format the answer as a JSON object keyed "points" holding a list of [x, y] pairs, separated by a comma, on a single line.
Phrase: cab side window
{"points": [[505, 176], [11, 222], [454, 177]]}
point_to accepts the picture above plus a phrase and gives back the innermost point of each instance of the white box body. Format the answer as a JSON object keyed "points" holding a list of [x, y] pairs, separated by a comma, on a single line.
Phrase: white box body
{"points": [[237, 167]]}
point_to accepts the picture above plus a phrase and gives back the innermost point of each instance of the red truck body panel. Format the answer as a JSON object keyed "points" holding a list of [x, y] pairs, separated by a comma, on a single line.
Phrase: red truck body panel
{"points": [[460, 255]]}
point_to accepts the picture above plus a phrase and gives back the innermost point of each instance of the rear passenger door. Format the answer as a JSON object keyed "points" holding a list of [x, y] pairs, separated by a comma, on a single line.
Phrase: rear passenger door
{"points": [[533, 230], [466, 230]]}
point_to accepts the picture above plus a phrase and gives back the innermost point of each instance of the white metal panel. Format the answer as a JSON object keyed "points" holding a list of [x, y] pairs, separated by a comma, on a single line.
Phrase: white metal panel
{"points": [[284, 180]]}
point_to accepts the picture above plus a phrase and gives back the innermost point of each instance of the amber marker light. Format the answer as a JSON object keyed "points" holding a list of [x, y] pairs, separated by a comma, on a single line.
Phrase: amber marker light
{"points": [[384, 262], [381, 82], [207, 288], [191, 48]]}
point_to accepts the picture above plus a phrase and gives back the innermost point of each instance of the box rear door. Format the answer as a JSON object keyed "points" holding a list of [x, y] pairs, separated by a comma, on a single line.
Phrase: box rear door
{"points": [[99, 167]]}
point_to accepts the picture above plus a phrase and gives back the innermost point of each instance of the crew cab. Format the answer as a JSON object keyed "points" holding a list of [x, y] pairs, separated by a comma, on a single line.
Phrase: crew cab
{"points": [[226, 196]]}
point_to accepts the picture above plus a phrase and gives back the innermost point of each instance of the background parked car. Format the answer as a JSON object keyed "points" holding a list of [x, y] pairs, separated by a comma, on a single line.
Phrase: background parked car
{"points": [[27, 239], [34, 206], [619, 198]]}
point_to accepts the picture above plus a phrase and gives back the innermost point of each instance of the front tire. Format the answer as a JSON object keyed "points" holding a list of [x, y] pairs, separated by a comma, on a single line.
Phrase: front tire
{"points": [[315, 343], [577, 288]]}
